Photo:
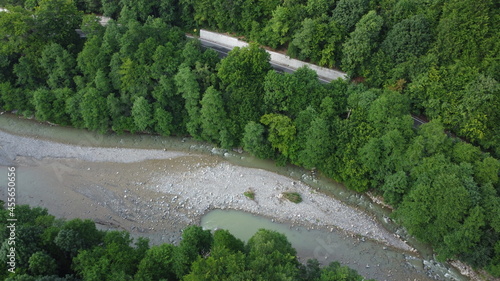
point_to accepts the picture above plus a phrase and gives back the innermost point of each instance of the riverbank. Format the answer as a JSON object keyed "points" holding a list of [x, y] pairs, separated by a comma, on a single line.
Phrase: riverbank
{"points": [[180, 187]]}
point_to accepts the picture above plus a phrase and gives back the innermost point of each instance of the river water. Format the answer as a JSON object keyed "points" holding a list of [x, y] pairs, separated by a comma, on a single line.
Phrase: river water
{"points": [[38, 186]]}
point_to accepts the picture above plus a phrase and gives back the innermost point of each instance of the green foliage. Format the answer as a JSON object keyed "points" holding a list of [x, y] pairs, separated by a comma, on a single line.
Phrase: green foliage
{"points": [[467, 31], [50, 104], [76, 235], [94, 110], [280, 28], [214, 121], [361, 43], [195, 242], [157, 263], [115, 259], [334, 271], [255, 140], [410, 37], [250, 194], [242, 74], [440, 58], [142, 111], [347, 13], [57, 20], [15, 30], [317, 40], [281, 132], [317, 145], [40, 263], [293, 197], [189, 88], [272, 256]]}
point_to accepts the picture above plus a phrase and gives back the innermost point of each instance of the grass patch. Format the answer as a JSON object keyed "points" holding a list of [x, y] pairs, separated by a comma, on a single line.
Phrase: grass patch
{"points": [[293, 196], [250, 194]]}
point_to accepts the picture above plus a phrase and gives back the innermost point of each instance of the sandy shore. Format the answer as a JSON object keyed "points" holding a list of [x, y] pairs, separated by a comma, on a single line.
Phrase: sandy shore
{"points": [[151, 191]]}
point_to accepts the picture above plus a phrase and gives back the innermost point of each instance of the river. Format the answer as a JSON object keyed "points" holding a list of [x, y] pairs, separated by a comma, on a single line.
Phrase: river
{"points": [[154, 186]]}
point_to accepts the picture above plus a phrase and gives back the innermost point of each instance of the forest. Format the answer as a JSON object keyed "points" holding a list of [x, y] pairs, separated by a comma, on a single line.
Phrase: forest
{"points": [[434, 58], [50, 249]]}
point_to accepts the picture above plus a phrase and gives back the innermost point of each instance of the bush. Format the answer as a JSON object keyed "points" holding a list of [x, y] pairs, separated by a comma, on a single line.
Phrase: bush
{"points": [[293, 197], [250, 194]]}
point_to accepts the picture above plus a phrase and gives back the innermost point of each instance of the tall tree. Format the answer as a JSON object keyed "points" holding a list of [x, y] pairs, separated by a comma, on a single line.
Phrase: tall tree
{"points": [[271, 256], [255, 140], [195, 242], [94, 110], [281, 132], [361, 43], [214, 122], [56, 20], [242, 75], [142, 112], [348, 12], [59, 66], [157, 264], [319, 40]]}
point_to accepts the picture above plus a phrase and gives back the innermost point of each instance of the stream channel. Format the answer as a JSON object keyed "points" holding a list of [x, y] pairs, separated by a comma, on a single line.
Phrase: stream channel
{"points": [[74, 174]]}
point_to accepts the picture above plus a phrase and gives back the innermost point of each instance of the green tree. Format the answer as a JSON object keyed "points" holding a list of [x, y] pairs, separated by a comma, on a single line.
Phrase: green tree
{"points": [[255, 140], [92, 58], [467, 31], [361, 43], [56, 20], [188, 87], [157, 264], [319, 40], [465, 238], [242, 74], [317, 146], [410, 37], [195, 242], [214, 121], [94, 110], [77, 235], [226, 262], [285, 21], [271, 256], [281, 132], [50, 104], [115, 260], [142, 111], [59, 65], [40, 263], [163, 121], [348, 12], [16, 32], [334, 271], [230, 266], [28, 72], [111, 8], [438, 203], [284, 93]]}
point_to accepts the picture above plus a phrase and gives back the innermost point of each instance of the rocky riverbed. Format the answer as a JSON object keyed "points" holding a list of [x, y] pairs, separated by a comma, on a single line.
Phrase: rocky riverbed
{"points": [[160, 192]]}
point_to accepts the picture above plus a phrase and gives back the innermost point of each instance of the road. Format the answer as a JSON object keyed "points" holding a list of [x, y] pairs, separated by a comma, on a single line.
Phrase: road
{"points": [[224, 50]]}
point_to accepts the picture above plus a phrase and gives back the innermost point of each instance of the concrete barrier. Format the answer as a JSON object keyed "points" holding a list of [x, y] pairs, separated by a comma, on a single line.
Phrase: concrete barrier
{"points": [[222, 39], [277, 58]]}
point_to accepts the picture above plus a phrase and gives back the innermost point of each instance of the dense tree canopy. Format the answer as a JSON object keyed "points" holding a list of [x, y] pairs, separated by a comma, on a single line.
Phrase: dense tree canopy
{"points": [[140, 73]]}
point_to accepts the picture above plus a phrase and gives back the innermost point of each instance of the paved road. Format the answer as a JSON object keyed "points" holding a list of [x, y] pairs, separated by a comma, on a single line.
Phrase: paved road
{"points": [[224, 50]]}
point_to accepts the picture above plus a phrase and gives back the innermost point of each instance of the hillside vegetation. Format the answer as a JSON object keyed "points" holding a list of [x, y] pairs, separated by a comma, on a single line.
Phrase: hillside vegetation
{"points": [[436, 57]]}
